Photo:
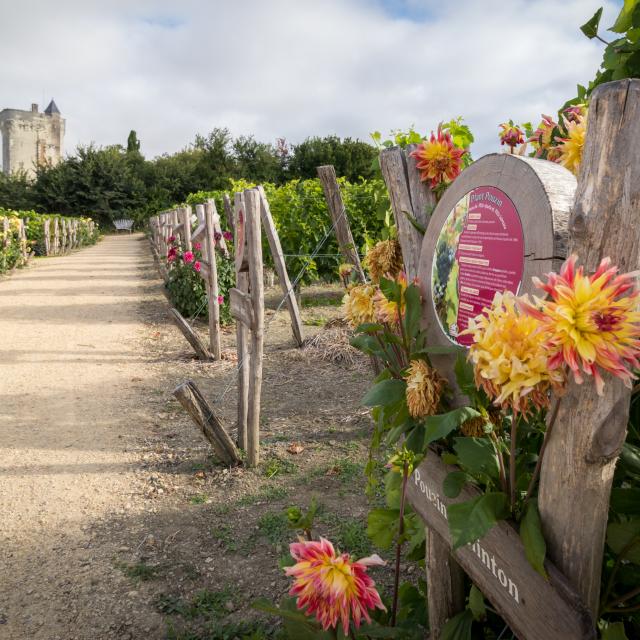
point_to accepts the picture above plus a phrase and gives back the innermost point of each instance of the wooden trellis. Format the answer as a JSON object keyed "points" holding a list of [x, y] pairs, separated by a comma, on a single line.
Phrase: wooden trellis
{"points": [[596, 219]]}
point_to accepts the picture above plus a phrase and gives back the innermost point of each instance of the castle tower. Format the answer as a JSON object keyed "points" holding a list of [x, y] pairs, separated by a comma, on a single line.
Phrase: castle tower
{"points": [[31, 138]]}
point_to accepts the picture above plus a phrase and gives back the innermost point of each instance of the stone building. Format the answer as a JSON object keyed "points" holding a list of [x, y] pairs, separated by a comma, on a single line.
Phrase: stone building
{"points": [[31, 138]]}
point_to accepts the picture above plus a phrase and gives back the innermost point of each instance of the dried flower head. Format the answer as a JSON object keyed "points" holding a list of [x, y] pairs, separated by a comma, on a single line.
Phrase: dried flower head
{"points": [[384, 259], [438, 159], [332, 586], [358, 304], [509, 356], [590, 322], [345, 270], [424, 389]]}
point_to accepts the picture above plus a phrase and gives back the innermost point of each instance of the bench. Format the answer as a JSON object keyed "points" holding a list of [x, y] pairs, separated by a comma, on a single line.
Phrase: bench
{"points": [[123, 225]]}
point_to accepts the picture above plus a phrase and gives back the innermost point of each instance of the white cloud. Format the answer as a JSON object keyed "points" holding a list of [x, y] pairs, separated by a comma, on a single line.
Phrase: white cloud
{"points": [[292, 68]]}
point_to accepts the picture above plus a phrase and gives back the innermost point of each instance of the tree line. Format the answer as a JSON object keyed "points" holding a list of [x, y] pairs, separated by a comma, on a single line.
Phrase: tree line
{"points": [[117, 181]]}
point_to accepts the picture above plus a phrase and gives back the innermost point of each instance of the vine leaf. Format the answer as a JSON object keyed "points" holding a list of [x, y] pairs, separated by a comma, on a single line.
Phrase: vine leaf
{"points": [[535, 548], [471, 520], [590, 28]]}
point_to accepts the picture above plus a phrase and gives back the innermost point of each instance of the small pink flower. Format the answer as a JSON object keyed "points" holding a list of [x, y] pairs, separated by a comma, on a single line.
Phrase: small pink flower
{"points": [[188, 257], [171, 258], [172, 253], [197, 266], [220, 299], [197, 246], [227, 235], [171, 239]]}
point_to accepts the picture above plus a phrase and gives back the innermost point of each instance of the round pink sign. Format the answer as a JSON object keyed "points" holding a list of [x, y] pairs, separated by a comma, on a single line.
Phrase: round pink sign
{"points": [[480, 251]]}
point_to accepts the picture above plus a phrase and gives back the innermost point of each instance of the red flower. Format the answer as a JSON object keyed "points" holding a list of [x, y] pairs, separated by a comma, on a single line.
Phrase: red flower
{"points": [[438, 160], [188, 257], [171, 239], [197, 266], [227, 235], [197, 246], [220, 299]]}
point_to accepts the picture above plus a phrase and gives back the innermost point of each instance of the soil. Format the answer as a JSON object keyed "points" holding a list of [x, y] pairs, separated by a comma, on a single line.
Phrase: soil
{"points": [[116, 521]]}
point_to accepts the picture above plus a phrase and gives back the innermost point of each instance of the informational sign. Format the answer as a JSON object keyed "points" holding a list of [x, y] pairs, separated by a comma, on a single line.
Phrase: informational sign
{"points": [[479, 251], [535, 608]]}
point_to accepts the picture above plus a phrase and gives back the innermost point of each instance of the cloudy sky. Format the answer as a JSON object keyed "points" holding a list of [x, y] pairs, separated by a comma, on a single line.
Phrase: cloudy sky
{"points": [[292, 68]]}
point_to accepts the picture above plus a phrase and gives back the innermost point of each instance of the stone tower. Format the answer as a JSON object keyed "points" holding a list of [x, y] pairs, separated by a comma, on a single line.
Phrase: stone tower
{"points": [[31, 138]]}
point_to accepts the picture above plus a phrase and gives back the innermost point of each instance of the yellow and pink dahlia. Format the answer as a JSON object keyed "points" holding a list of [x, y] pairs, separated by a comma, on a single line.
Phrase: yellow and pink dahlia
{"points": [[511, 135], [438, 159], [332, 586], [358, 304], [570, 148], [542, 138], [387, 310], [509, 356], [590, 322]]}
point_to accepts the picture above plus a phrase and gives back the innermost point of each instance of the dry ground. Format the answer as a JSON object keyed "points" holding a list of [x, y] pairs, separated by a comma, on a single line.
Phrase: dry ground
{"points": [[115, 520]]}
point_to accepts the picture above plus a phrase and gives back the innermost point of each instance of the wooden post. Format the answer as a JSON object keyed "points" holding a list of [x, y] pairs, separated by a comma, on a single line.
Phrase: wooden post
{"points": [[56, 236], [212, 284], [228, 212], [338, 213], [203, 415], [47, 236], [22, 234], [281, 267], [253, 205], [578, 466], [192, 337], [242, 331], [185, 219], [408, 197]]}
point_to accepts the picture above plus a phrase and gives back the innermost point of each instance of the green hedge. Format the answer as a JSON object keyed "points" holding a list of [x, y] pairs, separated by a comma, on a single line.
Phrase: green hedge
{"points": [[301, 217]]}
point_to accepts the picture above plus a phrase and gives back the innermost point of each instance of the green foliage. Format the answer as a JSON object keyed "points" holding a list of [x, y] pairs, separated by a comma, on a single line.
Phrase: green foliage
{"points": [[471, 520], [535, 547]]}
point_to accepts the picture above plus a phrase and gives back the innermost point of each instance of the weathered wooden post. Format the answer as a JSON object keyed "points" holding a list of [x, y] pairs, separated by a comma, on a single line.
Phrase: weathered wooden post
{"points": [[47, 236], [22, 235], [410, 198], [253, 206], [185, 220], [56, 236], [281, 267], [338, 213], [581, 454], [212, 284], [242, 330], [228, 212]]}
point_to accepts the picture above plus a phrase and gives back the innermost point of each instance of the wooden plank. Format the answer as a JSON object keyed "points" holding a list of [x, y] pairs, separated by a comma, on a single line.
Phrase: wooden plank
{"points": [[192, 337], [228, 212], [533, 607], [581, 454], [47, 237], [203, 415], [338, 213], [253, 208], [185, 226], [242, 307], [281, 267]]}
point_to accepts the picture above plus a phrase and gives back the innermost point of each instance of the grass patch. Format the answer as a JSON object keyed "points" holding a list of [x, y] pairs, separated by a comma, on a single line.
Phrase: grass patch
{"points": [[275, 466], [224, 533], [139, 571], [348, 472], [199, 498], [314, 321], [266, 495], [322, 301], [204, 604]]}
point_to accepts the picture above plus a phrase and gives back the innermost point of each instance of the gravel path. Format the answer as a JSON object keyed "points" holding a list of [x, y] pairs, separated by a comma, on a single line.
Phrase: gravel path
{"points": [[71, 400]]}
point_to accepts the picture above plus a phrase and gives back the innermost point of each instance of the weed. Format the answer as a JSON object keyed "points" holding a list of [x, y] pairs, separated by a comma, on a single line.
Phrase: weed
{"points": [[315, 321], [322, 301], [199, 498], [224, 533], [278, 466], [348, 472], [274, 526], [349, 534], [140, 571]]}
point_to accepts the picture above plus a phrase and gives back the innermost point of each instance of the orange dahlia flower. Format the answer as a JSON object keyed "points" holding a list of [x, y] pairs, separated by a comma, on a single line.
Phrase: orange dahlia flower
{"points": [[388, 310], [334, 587], [590, 322], [438, 159]]}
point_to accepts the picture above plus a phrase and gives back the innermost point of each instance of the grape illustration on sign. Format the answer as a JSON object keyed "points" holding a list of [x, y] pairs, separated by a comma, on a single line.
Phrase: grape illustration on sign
{"points": [[480, 251]]}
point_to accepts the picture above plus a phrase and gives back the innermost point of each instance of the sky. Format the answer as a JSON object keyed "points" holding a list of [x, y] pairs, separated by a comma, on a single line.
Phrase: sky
{"points": [[292, 68]]}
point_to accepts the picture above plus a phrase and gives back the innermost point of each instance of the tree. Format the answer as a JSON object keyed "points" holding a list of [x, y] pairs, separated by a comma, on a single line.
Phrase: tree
{"points": [[133, 144], [16, 191], [256, 161]]}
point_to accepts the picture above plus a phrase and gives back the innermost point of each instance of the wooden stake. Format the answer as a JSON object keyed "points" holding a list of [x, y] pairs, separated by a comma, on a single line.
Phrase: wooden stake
{"points": [[338, 213], [578, 466], [228, 212], [212, 284], [192, 337], [199, 409], [185, 219], [281, 267], [47, 237], [252, 200], [242, 331]]}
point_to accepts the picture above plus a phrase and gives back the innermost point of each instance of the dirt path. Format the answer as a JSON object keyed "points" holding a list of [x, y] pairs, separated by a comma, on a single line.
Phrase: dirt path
{"points": [[116, 522], [68, 409]]}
